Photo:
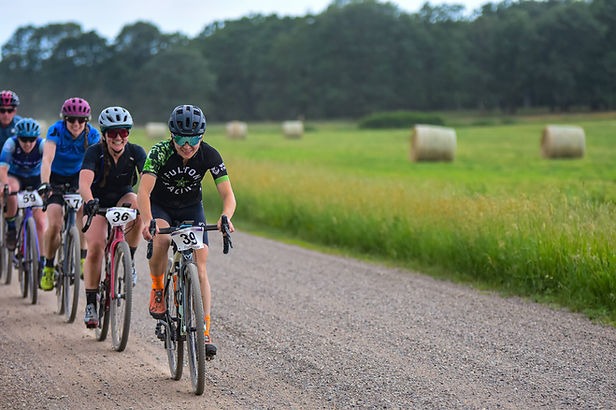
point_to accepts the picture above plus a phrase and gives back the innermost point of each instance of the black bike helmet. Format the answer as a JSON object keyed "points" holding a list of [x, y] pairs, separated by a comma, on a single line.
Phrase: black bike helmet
{"points": [[187, 120]]}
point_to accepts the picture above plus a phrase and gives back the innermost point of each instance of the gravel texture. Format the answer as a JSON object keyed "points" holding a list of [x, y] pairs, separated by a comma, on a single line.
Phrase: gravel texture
{"points": [[299, 329]]}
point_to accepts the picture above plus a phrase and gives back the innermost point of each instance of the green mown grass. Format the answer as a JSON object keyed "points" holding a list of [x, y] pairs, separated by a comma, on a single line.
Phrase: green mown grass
{"points": [[498, 217]]}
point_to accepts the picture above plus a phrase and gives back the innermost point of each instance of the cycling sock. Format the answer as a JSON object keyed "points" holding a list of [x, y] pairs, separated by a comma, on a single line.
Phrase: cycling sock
{"points": [[49, 262], [84, 253], [132, 251], [157, 281], [91, 296], [207, 326], [10, 222]]}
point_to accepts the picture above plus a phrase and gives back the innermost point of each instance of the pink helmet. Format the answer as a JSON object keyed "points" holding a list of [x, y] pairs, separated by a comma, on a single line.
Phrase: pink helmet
{"points": [[75, 107], [8, 97]]}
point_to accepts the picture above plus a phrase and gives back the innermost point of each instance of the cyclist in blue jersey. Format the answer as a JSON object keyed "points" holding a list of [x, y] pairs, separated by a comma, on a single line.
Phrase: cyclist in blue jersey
{"points": [[8, 115], [64, 149], [170, 190], [110, 169], [20, 167]]}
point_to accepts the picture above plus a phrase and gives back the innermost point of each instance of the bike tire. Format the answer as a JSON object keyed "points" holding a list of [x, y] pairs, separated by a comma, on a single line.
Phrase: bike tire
{"points": [[22, 273], [72, 272], [174, 343], [103, 309], [120, 307], [59, 278], [31, 260], [194, 319], [6, 256]]}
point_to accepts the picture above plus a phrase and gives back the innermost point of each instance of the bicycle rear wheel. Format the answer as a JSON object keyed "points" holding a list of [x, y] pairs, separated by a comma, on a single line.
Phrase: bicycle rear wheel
{"points": [[103, 308], [72, 270], [193, 311], [121, 305], [6, 257], [174, 343], [31, 260]]}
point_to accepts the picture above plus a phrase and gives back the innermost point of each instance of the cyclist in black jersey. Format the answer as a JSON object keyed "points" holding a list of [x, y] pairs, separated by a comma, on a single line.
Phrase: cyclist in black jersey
{"points": [[109, 172], [170, 190]]}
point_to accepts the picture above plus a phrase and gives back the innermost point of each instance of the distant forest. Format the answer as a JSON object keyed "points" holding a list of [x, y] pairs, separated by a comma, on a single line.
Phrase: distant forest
{"points": [[355, 58]]}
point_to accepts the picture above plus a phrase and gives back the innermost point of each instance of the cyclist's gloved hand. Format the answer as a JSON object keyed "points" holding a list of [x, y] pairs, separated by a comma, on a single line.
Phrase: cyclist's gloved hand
{"points": [[90, 207], [44, 188]]}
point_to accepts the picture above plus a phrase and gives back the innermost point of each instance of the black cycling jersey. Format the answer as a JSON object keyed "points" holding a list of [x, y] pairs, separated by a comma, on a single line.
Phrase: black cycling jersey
{"points": [[121, 177], [178, 185]]}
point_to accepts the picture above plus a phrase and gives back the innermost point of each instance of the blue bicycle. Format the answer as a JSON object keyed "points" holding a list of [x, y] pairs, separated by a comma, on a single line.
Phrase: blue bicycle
{"points": [[27, 255]]}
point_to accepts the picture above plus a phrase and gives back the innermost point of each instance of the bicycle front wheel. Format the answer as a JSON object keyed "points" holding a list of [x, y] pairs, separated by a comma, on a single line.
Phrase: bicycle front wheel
{"points": [[121, 304], [72, 271], [22, 271], [31, 260], [193, 311]]}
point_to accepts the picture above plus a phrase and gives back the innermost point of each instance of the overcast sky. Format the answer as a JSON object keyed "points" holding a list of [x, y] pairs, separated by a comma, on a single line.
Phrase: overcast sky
{"points": [[107, 17]]}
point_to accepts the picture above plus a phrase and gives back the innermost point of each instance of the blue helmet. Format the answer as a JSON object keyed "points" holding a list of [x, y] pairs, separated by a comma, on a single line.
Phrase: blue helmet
{"points": [[27, 127]]}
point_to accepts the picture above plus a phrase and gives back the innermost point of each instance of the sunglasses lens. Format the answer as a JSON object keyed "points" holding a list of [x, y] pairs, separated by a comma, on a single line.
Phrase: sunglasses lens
{"points": [[180, 140], [6, 110], [81, 120], [27, 139], [118, 132]]}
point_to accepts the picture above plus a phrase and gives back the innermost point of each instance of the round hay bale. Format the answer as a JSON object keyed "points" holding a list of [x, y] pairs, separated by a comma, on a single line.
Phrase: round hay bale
{"points": [[237, 130], [293, 129], [156, 130], [563, 141], [433, 143], [44, 127]]}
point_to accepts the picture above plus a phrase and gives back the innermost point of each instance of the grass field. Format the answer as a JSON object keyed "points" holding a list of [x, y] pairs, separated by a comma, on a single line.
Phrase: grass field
{"points": [[498, 217]]}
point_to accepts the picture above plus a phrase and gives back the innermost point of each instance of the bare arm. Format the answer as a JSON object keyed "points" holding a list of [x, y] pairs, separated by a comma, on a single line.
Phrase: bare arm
{"points": [[228, 201], [49, 152], [143, 202], [86, 177]]}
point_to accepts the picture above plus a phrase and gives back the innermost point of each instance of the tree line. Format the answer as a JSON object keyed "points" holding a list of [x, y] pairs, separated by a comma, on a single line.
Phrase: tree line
{"points": [[355, 58]]}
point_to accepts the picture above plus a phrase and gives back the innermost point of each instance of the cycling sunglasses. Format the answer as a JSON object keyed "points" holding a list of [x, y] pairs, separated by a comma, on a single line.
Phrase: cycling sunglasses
{"points": [[192, 140], [27, 139], [117, 132], [73, 119], [6, 110]]}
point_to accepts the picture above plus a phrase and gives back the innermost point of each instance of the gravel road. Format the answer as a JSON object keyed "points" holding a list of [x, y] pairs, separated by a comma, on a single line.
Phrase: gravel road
{"points": [[300, 329]]}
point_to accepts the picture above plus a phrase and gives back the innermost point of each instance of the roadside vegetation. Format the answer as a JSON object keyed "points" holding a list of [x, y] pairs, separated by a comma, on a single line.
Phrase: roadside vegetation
{"points": [[499, 217]]}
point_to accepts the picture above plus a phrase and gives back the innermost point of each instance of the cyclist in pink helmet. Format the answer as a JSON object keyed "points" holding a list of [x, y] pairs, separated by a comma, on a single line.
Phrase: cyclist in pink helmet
{"points": [[8, 115], [63, 153]]}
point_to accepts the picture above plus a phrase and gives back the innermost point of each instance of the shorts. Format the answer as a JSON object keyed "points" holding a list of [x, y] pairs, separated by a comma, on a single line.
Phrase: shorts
{"points": [[57, 183], [111, 199], [27, 182], [175, 216]]}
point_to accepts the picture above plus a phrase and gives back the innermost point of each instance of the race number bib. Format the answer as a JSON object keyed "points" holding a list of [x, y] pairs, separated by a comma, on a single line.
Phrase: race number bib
{"points": [[73, 200], [188, 238], [27, 199], [119, 216]]}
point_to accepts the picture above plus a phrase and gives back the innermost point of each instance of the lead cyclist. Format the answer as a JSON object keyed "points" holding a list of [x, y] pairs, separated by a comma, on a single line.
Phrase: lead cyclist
{"points": [[170, 191]]}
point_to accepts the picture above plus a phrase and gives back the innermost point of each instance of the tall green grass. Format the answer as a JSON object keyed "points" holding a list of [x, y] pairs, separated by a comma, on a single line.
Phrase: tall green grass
{"points": [[499, 216]]}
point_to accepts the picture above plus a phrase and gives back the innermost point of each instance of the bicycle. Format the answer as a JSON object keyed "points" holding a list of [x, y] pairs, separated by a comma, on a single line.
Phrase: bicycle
{"points": [[27, 256], [6, 265], [115, 291], [68, 256], [184, 319]]}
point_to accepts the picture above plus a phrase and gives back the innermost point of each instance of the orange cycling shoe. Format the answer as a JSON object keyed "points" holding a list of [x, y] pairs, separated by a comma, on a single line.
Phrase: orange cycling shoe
{"points": [[157, 304]]}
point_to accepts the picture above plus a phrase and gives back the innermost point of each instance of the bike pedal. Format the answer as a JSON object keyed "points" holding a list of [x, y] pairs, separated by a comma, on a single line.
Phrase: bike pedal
{"points": [[160, 331]]}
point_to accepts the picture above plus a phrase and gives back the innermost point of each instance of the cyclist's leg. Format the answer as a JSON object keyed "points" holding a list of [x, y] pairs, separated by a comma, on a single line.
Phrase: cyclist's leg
{"points": [[11, 213], [158, 261], [51, 242], [41, 224], [97, 238]]}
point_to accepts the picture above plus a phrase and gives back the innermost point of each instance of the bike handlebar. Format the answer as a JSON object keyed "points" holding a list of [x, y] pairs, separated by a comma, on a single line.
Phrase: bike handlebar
{"points": [[224, 225]]}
